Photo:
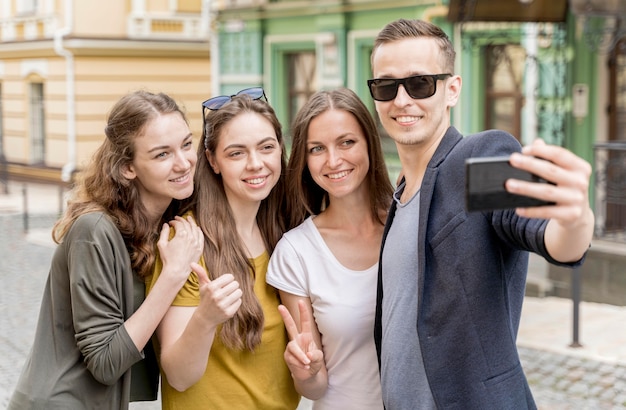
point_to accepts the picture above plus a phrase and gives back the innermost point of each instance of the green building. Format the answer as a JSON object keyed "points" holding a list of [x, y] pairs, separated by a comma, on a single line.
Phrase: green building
{"points": [[553, 69]]}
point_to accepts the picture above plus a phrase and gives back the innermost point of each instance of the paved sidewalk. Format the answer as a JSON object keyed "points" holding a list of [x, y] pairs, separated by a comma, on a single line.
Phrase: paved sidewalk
{"points": [[547, 324], [561, 377]]}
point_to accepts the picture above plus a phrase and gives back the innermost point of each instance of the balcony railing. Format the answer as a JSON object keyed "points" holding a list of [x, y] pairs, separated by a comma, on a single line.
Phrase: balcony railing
{"points": [[610, 179], [27, 28], [167, 26]]}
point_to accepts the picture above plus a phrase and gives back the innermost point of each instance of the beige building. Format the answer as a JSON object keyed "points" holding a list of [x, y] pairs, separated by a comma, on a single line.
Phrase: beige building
{"points": [[64, 63]]}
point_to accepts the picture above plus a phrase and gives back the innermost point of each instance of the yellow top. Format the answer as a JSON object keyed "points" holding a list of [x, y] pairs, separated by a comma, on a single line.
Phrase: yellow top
{"points": [[237, 379]]}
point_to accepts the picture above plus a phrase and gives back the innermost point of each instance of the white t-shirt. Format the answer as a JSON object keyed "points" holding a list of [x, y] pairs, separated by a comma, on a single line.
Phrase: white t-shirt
{"points": [[344, 304]]}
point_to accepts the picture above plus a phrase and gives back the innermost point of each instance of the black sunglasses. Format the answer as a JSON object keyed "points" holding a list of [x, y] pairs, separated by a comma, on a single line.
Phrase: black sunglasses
{"points": [[215, 103], [417, 86]]}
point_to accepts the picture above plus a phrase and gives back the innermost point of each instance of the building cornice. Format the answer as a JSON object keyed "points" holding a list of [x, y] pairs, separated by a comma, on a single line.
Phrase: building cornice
{"points": [[266, 10], [106, 47]]}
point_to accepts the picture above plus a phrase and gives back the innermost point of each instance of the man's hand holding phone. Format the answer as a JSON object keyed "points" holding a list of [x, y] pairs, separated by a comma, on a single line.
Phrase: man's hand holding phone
{"points": [[545, 181], [485, 185], [570, 225], [569, 177]]}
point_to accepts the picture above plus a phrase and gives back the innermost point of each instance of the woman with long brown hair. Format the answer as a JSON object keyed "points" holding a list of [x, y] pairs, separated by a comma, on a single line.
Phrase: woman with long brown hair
{"points": [[93, 325], [326, 265], [221, 343]]}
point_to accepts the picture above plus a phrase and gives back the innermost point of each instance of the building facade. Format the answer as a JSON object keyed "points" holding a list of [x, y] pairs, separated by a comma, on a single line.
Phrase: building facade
{"points": [[64, 63], [554, 69]]}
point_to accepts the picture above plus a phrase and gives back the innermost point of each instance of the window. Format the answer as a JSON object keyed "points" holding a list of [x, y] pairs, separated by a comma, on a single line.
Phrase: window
{"points": [[36, 126], [504, 98], [301, 80]]}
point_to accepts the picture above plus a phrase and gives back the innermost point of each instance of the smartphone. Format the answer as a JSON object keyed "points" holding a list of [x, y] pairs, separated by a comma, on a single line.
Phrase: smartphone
{"points": [[484, 185]]}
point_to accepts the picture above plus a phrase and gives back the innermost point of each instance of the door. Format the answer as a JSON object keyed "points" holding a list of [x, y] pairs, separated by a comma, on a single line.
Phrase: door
{"points": [[615, 178], [504, 94], [301, 80]]}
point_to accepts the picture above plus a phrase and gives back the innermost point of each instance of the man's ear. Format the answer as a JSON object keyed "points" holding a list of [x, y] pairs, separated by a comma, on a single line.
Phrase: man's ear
{"points": [[211, 158], [453, 90], [128, 172]]}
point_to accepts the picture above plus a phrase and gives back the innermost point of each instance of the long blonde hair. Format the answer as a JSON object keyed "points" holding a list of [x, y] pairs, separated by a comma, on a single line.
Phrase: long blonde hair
{"points": [[102, 187]]}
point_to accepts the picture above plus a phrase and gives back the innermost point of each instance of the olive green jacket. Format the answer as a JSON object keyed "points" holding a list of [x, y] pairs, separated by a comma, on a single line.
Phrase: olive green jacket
{"points": [[82, 355]]}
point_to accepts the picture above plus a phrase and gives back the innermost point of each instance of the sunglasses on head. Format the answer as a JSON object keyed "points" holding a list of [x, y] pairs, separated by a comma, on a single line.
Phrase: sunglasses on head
{"points": [[417, 86], [215, 103]]}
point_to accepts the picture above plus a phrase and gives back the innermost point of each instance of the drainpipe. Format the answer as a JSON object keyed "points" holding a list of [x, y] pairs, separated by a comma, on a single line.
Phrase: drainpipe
{"points": [[214, 48], [70, 166]]}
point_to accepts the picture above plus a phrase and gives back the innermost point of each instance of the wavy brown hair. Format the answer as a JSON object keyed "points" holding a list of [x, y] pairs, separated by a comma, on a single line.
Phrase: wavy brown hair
{"points": [[102, 187], [304, 196], [224, 250]]}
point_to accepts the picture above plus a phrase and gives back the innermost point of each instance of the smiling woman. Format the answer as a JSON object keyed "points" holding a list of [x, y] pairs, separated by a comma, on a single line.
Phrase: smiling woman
{"points": [[325, 267], [92, 317], [221, 343], [248, 158], [163, 166]]}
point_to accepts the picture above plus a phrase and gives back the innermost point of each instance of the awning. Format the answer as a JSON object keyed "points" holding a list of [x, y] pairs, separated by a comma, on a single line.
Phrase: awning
{"points": [[508, 10]]}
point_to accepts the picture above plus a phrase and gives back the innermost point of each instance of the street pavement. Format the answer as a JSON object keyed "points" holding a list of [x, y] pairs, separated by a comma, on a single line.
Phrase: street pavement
{"points": [[589, 377]]}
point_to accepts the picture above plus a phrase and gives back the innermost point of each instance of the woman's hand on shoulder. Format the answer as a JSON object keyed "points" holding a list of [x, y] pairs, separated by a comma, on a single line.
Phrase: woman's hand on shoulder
{"points": [[183, 249]]}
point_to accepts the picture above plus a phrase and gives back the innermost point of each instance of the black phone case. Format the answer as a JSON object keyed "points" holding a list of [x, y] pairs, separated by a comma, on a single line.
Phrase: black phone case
{"points": [[484, 185]]}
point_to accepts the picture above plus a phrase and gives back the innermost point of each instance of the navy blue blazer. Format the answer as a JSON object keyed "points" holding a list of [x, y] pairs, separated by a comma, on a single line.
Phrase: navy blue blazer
{"points": [[472, 277]]}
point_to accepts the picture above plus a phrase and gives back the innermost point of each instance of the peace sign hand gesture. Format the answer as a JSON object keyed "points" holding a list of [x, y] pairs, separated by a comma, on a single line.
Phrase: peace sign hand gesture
{"points": [[303, 356]]}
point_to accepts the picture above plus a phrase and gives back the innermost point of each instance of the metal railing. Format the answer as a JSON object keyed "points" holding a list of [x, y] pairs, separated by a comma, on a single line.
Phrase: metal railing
{"points": [[610, 190]]}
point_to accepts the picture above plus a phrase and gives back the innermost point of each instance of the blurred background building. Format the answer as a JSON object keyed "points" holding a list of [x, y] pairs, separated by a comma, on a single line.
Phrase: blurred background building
{"points": [[64, 63], [554, 69]]}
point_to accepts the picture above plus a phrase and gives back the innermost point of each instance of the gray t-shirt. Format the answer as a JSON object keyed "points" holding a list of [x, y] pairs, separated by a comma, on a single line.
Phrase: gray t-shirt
{"points": [[404, 382]]}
